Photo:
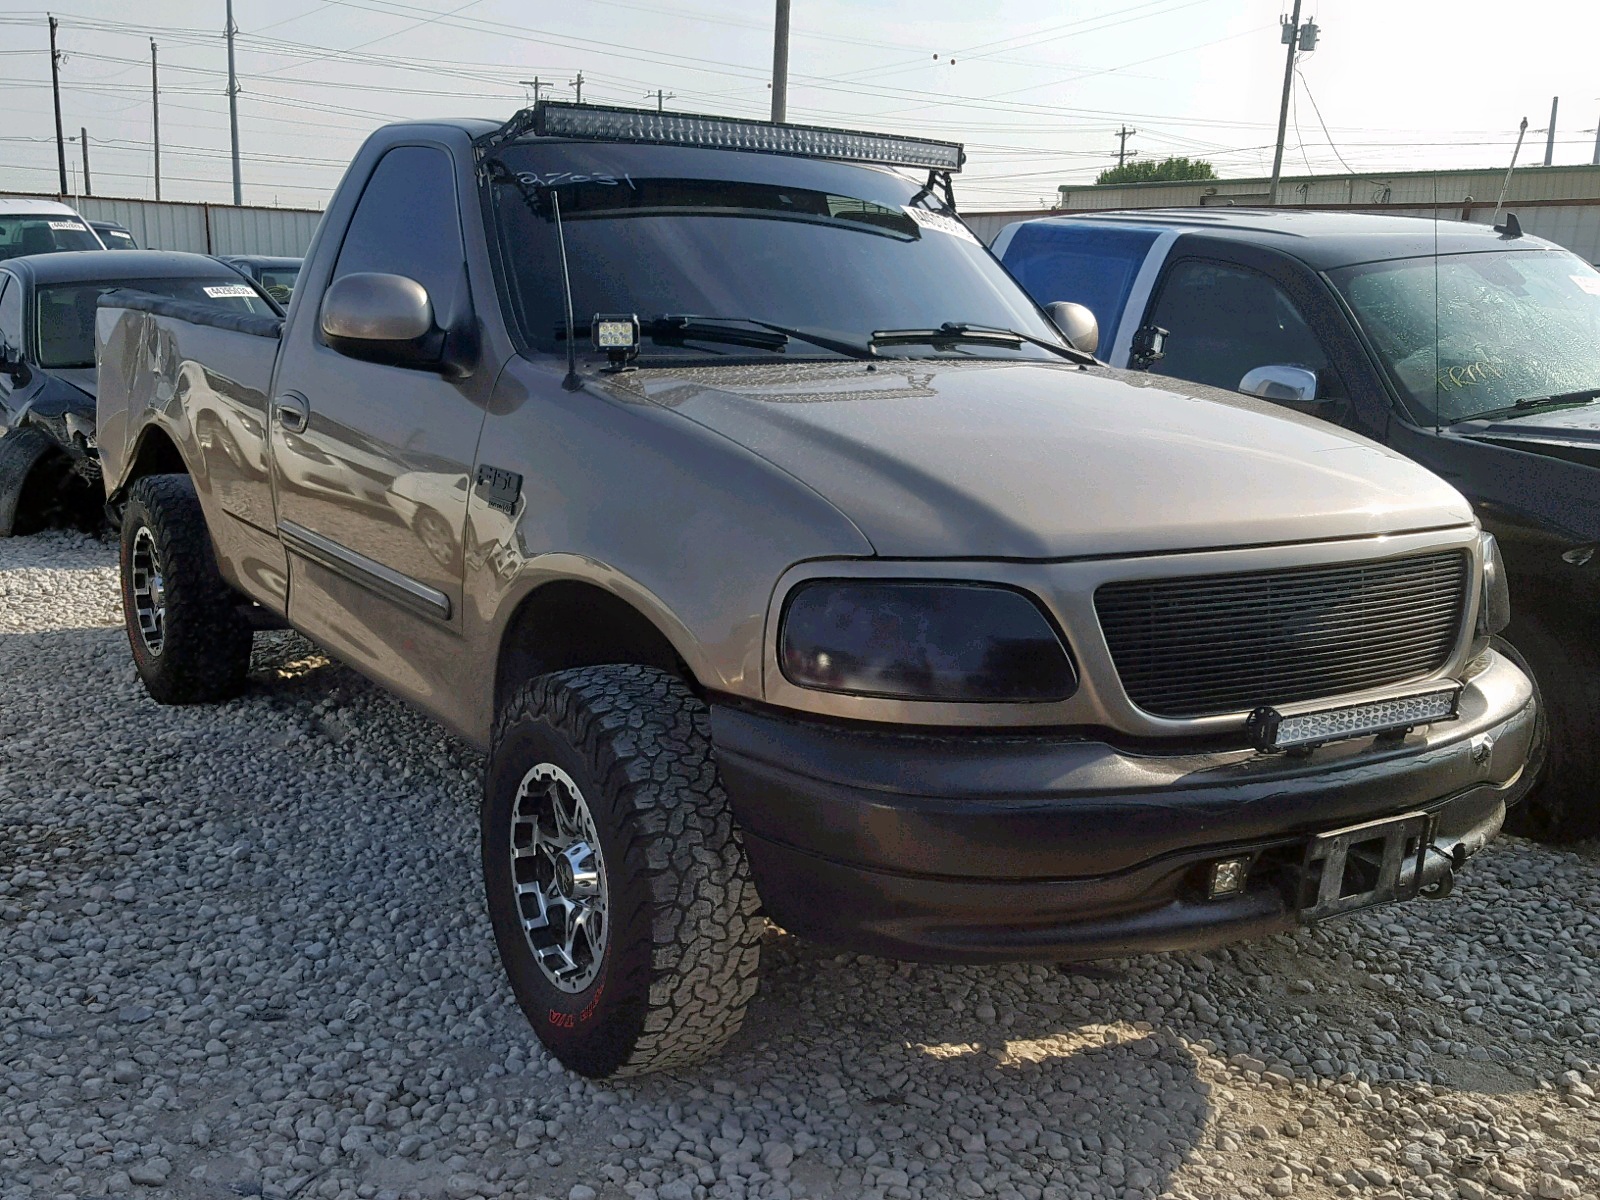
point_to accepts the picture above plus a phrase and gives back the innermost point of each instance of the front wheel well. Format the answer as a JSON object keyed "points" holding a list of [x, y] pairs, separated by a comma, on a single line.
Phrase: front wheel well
{"points": [[569, 624]]}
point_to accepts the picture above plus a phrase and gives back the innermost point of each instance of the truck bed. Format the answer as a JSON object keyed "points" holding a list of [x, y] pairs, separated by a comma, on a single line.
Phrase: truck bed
{"points": [[187, 362]]}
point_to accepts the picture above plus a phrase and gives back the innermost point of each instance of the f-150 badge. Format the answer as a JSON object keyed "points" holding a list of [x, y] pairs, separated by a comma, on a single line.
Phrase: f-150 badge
{"points": [[499, 489]]}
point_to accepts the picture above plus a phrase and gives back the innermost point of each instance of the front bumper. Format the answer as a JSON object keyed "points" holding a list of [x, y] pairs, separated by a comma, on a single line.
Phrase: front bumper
{"points": [[956, 846]]}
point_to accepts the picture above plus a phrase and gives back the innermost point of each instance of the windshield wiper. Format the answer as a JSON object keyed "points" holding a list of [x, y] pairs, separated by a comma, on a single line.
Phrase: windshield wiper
{"points": [[680, 327], [1531, 404], [953, 333]]}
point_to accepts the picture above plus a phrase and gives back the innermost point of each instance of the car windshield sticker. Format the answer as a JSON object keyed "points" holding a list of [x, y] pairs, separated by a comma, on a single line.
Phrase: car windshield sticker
{"points": [[65, 225], [940, 222], [1589, 283], [229, 291]]}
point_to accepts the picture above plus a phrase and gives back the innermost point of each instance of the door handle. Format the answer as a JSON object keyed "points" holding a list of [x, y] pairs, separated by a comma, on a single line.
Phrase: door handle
{"points": [[293, 413]]}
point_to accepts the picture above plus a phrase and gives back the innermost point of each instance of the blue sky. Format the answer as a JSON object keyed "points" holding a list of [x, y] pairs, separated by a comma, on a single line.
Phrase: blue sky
{"points": [[1036, 91]]}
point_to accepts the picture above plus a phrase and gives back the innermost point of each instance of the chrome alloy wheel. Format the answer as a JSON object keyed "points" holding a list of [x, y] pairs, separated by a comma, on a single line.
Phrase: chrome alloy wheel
{"points": [[559, 877], [149, 591]]}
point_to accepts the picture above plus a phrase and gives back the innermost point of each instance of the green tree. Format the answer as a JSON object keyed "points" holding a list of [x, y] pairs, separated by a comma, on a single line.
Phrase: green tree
{"points": [[1165, 171]]}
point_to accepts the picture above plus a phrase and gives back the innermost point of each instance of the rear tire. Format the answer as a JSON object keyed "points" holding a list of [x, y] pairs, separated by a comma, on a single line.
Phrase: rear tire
{"points": [[190, 641], [24, 455], [610, 769], [1563, 804]]}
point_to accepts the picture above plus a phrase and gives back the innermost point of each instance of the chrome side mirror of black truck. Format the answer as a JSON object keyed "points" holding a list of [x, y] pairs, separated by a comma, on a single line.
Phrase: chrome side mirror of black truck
{"points": [[382, 318], [1076, 323], [1296, 385]]}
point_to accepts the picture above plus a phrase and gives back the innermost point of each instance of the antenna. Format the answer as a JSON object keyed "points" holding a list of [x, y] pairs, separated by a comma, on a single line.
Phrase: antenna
{"points": [[1439, 388], [1506, 183], [572, 383]]}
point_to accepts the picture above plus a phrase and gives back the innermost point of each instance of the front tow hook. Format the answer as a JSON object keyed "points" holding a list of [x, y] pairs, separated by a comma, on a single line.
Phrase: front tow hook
{"points": [[1439, 867]]}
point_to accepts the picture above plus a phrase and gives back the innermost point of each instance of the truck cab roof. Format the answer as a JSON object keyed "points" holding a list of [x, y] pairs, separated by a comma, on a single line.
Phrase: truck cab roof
{"points": [[1322, 240]]}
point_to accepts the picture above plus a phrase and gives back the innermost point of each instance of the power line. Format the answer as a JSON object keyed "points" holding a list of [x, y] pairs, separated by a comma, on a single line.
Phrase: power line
{"points": [[1321, 122]]}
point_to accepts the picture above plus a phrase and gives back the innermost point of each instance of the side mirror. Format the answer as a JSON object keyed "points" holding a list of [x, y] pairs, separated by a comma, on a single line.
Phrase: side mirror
{"points": [[11, 364], [382, 318], [1297, 385], [1077, 324]]}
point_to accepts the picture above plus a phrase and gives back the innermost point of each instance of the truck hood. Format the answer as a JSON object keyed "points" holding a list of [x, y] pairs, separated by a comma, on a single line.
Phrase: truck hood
{"points": [[1037, 460]]}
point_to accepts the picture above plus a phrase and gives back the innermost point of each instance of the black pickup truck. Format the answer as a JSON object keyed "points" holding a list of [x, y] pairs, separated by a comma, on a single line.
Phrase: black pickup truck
{"points": [[1473, 349]]}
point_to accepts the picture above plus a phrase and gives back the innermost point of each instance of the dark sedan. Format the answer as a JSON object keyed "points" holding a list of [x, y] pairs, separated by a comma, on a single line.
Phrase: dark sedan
{"points": [[48, 459], [115, 236], [274, 274]]}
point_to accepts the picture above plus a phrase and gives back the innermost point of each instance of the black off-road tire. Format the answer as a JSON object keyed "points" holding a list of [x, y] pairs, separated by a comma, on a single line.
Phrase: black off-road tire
{"points": [[682, 945], [24, 459], [203, 654], [1563, 804]]}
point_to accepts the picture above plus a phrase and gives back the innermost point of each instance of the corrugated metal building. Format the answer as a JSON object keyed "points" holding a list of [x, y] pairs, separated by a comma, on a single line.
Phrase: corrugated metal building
{"points": [[1559, 203], [201, 228]]}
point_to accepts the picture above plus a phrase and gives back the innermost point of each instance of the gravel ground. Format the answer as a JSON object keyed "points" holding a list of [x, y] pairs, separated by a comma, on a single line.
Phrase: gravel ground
{"points": [[243, 952]]}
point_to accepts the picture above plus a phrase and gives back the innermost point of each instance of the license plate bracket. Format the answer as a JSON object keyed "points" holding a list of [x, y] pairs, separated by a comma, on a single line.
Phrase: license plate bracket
{"points": [[1361, 866]]}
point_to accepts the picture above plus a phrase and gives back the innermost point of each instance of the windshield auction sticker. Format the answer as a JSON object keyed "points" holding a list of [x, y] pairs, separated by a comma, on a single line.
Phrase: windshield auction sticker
{"points": [[1589, 283], [65, 225], [940, 223], [229, 291]]}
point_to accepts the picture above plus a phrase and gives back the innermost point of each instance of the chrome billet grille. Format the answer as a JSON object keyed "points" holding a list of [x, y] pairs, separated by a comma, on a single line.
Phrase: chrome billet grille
{"points": [[1214, 644]]}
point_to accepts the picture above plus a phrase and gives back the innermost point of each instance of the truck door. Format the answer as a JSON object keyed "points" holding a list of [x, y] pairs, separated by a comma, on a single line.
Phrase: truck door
{"points": [[13, 393], [1231, 309], [371, 462]]}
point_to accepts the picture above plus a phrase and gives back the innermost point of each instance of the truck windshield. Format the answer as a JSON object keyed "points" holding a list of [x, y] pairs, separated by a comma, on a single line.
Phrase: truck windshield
{"points": [[65, 311], [44, 235], [853, 251], [1511, 325]]}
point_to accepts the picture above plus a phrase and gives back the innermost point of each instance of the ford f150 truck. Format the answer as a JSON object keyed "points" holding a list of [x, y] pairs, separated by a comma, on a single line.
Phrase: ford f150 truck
{"points": [[789, 564]]}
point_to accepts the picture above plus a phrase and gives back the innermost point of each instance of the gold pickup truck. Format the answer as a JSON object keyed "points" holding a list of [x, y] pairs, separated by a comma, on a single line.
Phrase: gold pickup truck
{"points": [[789, 563]]}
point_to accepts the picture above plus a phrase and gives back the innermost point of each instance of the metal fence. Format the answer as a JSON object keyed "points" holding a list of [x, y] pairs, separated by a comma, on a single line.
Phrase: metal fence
{"points": [[1558, 203], [1573, 225], [201, 228]]}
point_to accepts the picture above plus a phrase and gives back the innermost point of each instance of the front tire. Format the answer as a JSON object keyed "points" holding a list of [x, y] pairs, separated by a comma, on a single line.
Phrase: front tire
{"points": [[191, 643], [622, 904], [1563, 804], [26, 481]]}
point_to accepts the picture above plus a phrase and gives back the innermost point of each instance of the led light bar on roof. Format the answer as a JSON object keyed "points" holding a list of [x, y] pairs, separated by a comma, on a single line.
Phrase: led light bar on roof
{"points": [[603, 123]]}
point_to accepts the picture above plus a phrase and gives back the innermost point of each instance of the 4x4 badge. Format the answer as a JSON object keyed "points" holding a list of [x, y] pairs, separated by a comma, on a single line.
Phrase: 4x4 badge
{"points": [[498, 488]]}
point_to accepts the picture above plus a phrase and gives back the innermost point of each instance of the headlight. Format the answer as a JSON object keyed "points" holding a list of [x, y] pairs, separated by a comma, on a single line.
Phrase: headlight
{"points": [[1494, 612], [922, 641]]}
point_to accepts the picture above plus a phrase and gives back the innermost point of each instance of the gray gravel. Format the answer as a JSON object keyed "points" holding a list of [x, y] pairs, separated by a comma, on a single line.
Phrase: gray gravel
{"points": [[243, 952]]}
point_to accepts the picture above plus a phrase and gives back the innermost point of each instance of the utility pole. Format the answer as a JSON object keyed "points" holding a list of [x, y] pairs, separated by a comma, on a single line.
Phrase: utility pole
{"points": [[83, 136], [1296, 37], [155, 114], [661, 97], [577, 84], [536, 84], [55, 88], [1550, 134], [233, 107], [780, 64], [1123, 135]]}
